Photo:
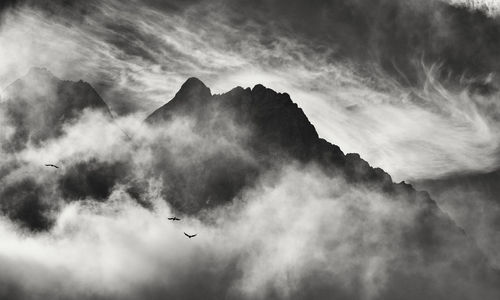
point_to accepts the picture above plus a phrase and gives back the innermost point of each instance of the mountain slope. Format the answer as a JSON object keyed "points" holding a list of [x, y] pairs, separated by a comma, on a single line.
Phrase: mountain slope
{"points": [[473, 201]]}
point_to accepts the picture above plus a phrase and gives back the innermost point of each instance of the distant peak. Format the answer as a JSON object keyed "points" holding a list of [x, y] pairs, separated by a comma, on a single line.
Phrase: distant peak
{"points": [[40, 72], [192, 93]]}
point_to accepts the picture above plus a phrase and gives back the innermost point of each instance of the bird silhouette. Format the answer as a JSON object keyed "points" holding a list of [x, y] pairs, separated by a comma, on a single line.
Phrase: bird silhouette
{"points": [[174, 219], [190, 235], [51, 165]]}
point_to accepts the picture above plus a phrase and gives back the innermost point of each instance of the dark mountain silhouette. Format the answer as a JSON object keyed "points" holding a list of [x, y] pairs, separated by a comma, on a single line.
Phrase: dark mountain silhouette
{"points": [[39, 104], [279, 130]]}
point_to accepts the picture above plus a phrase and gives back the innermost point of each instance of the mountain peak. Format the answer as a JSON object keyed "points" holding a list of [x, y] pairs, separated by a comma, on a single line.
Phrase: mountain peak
{"points": [[40, 72], [194, 87], [39, 104], [193, 82], [193, 93], [258, 88]]}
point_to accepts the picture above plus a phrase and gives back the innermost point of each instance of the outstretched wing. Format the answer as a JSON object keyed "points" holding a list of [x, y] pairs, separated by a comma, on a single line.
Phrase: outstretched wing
{"points": [[186, 234]]}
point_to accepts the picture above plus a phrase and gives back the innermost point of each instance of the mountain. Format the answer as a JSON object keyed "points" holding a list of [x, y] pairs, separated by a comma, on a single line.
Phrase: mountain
{"points": [[279, 130], [39, 104], [34, 109], [259, 131]]}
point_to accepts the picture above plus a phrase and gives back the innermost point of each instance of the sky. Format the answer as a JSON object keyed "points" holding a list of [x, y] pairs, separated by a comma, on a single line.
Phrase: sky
{"points": [[412, 86], [407, 109]]}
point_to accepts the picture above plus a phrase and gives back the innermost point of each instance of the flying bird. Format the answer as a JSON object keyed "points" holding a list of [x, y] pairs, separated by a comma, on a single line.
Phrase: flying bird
{"points": [[190, 236], [174, 219], [51, 165]]}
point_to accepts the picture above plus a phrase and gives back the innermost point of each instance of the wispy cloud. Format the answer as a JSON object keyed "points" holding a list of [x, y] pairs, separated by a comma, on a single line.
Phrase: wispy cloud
{"points": [[137, 56]]}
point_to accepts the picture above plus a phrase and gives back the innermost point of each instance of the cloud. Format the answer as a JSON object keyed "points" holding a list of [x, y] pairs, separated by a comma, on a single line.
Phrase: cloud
{"points": [[137, 55], [299, 234], [491, 7]]}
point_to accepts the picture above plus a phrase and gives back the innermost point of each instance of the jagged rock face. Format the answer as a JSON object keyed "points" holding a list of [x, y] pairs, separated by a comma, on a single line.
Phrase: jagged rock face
{"points": [[39, 104], [278, 131], [274, 120]]}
